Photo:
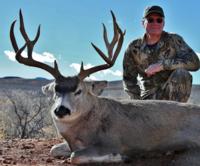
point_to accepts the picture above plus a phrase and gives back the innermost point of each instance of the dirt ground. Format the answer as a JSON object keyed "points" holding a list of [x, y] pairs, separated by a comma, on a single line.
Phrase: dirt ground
{"points": [[35, 152], [28, 152]]}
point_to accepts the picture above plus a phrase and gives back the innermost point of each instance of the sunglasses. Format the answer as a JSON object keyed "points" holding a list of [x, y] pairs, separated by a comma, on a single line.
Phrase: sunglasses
{"points": [[158, 20]]}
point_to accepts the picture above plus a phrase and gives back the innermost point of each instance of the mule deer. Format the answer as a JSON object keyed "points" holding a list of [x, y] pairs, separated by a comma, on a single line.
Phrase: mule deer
{"points": [[100, 129]]}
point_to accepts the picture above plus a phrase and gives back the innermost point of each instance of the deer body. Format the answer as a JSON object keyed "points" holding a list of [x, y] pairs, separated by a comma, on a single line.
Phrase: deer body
{"points": [[132, 128]]}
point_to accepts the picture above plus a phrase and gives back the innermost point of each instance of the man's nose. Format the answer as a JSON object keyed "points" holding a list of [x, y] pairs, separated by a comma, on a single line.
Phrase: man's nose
{"points": [[62, 111]]}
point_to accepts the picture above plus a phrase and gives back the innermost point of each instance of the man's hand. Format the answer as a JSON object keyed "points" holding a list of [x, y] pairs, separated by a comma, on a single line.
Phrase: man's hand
{"points": [[153, 69]]}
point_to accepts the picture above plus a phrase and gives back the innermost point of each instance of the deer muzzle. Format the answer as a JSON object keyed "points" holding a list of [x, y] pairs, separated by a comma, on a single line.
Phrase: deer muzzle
{"points": [[62, 111]]}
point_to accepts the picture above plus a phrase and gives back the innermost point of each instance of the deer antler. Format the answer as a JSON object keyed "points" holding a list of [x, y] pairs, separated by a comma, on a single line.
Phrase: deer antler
{"points": [[30, 45], [111, 58]]}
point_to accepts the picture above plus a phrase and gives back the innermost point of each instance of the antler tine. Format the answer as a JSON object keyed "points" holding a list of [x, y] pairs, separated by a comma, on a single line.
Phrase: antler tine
{"points": [[101, 54], [111, 45], [115, 37], [85, 73], [105, 36], [12, 37], [22, 28], [30, 45], [120, 42], [110, 59]]}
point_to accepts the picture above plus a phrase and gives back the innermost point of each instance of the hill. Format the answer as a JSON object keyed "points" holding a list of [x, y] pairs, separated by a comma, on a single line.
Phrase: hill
{"points": [[114, 88]]}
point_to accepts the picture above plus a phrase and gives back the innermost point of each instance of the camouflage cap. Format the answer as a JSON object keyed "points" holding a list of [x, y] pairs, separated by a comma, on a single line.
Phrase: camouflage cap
{"points": [[153, 9]]}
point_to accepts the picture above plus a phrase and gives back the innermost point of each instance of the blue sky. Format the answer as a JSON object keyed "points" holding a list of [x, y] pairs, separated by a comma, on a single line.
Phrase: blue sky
{"points": [[69, 26]]}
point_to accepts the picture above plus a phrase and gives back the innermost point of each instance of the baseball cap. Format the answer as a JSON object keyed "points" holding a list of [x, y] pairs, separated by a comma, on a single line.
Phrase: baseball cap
{"points": [[153, 9]]}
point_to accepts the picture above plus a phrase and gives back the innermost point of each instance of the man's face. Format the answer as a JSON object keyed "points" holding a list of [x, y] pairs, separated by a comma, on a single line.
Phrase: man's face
{"points": [[153, 24]]}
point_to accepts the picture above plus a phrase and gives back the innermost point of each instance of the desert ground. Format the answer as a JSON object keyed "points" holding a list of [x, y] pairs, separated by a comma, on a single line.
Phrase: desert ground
{"points": [[28, 152]]}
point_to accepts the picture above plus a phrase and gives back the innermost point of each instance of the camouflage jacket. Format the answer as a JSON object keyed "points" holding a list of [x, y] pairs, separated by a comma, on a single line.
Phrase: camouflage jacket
{"points": [[171, 51]]}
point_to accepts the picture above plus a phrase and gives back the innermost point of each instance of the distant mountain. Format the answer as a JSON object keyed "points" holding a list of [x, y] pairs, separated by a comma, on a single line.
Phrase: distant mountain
{"points": [[22, 83], [14, 77], [11, 77], [114, 88], [40, 78]]}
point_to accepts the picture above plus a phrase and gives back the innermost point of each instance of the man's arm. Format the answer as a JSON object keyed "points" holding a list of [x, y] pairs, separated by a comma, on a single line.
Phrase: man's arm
{"points": [[130, 74], [185, 57]]}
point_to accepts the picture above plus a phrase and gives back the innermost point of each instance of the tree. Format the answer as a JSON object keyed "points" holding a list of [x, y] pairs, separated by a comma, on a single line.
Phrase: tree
{"points": [[27, 114]]}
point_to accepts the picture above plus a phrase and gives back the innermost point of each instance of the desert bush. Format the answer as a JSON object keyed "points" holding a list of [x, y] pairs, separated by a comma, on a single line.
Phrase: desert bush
{"points": [[26, 115]]}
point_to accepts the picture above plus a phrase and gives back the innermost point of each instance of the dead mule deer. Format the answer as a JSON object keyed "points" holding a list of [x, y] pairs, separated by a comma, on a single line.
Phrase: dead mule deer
{"points": [[99, 129]]}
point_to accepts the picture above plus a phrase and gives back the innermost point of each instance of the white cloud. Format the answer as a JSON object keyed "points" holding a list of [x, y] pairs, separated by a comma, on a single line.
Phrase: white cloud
{"points": [[44, 57], [76, 66], [10, 54], [198, 54], [116, 73], [102, 73]]}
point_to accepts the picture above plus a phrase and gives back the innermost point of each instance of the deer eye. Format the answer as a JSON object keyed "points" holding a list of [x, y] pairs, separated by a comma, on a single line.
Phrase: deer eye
{"points": [[78, 92]]}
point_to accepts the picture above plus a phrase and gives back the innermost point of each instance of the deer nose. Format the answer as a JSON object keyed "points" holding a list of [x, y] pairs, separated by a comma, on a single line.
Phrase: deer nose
{"points": [[62, 111]]}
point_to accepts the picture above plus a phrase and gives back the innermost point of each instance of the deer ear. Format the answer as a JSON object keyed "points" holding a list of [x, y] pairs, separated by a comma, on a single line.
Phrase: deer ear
{"points": [[49, 88], [97, 87]]}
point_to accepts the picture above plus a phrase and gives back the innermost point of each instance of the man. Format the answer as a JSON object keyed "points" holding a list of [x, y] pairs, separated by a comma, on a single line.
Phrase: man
{"points": [[157, 65]]}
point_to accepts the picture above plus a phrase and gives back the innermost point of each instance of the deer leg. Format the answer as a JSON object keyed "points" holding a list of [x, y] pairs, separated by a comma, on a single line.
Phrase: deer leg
{"points": [[60, 150], [95, 155]]}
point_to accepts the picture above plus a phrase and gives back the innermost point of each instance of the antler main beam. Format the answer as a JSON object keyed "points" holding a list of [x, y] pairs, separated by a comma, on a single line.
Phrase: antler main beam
{"points": [[111, 58], [30, 45]]}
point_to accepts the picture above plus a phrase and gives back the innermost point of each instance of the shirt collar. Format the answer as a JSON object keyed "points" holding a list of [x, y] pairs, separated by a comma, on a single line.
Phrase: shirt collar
{"points": [[144, 39]]}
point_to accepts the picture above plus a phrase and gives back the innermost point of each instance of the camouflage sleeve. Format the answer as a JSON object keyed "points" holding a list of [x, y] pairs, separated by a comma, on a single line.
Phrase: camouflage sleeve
{"points": [[130, 74], [185, 57]]}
